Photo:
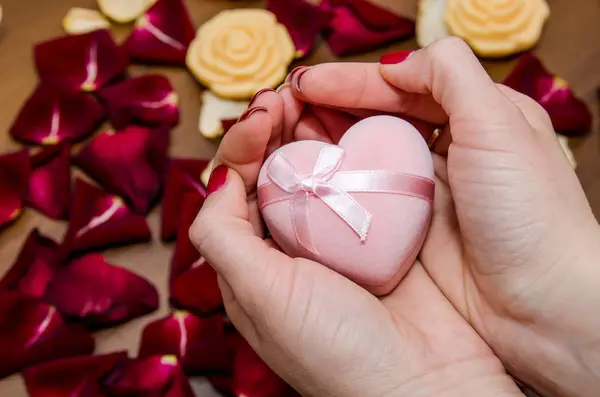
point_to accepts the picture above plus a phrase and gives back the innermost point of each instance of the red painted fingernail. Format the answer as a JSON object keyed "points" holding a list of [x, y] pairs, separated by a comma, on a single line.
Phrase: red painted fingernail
{"points": [[395, 57], [217, 179], [250, 112], [297, 77], [294, 71], [259, 93]]}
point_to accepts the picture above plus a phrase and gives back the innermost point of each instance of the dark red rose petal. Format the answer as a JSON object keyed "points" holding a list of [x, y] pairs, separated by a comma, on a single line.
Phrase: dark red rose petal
{"points": [[34, 267], [197, 289], [100, 219], [130, 163], [157, 376], [162, 34], [360, 25], [146, 100], [99, 293], [253, 378], [569, 114], [183, 177], [227, 124], [32, 332], [304, 21], [82, 62], [51, 116], [198, 342], [50, 181], [65, 377], [193, 282], [222, 383], [15, 171]]}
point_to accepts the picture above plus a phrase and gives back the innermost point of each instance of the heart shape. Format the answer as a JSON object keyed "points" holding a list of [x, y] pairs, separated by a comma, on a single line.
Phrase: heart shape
{"points": [[362, 208]]}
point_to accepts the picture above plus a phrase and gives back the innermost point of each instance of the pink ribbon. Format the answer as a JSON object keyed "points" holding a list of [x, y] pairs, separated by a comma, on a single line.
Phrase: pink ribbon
{"points": [[333, 187]]}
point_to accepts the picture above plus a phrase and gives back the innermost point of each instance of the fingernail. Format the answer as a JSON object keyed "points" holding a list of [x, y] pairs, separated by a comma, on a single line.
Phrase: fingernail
{"points": [[395, 57], [259, 93], [282, 87], [250, 112], [218, 177], [296, 80], [294, 71]]}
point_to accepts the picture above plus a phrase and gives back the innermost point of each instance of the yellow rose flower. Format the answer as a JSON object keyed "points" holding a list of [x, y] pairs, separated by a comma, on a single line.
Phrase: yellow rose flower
{"points": [[239, 52], [497, 28]]}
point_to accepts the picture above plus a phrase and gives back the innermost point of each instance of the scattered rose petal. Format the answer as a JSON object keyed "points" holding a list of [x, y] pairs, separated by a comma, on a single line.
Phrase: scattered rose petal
{"points": [[100, 219], [124, 11], [15, 171], [303, 19], [360, 25], [50, 181], [183, 177], [147, 100], [162, 34], [129, 163], [569, 114], [193, 282], [156, 376], [205, 175], [215, 109], [83, 20], [253, 378], [197, 289], [99, 293], [50, 116], [67, 377], [34, 267], [198, 342], [431, 23], [32, 332], [81, 62], [185, 255]]}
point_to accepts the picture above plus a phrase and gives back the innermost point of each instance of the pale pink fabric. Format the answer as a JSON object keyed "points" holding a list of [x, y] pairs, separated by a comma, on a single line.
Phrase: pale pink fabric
{"points": [[385, 173]]}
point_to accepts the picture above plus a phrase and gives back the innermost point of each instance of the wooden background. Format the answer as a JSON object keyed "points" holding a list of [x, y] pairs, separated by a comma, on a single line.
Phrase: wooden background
{"points": [[570, 47]]}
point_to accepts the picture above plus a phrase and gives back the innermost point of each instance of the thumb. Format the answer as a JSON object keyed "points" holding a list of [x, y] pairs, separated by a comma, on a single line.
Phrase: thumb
{"points": [[449, 71]]}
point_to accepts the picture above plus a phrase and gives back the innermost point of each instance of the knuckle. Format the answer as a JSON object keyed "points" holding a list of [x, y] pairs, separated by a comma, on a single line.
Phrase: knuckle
{"points": [[201, 232], [449, 47]]}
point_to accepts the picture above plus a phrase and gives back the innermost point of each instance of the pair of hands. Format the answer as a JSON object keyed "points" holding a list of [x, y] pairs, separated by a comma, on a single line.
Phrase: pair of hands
{"points": [[506, 278]]}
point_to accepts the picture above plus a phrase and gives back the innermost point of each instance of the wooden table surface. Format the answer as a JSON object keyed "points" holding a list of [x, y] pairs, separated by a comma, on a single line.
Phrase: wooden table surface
{"points": [[570, 47]]}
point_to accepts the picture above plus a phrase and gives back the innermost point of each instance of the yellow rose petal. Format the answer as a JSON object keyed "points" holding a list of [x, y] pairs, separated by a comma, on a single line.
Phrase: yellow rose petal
{"points": [[83, 20], [238, 52], [124, 11], [215, 109]]}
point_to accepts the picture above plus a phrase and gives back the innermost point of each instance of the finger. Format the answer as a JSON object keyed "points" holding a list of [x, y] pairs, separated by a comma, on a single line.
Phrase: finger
{"points": [[361, 86], [449, 72], [535, 114], [335, 122], [292, 112], [309, 128], [271, 100]]}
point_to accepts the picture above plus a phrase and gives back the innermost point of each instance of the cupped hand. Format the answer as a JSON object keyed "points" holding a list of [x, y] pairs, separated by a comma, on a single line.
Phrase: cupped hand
{"points": [[513, 242], [322, 333]]}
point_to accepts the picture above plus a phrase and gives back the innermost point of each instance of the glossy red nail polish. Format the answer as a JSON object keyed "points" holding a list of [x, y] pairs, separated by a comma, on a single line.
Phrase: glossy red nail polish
{"points": [[296, 81], [395, 57], [294, 71], [259, 93], [250, 112], [218, 177]]}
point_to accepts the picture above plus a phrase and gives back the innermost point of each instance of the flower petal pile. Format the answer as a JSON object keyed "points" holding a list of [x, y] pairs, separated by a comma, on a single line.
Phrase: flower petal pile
{"points": [[14, 185]]}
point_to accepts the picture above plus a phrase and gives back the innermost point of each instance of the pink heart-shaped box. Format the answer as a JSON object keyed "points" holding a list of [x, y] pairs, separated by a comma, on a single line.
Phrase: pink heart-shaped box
{"points": [[399, 220]]}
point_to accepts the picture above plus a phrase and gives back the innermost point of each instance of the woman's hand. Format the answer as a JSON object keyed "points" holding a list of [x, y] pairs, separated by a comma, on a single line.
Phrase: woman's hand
{"points": [[322, 333], [513, 242]]}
